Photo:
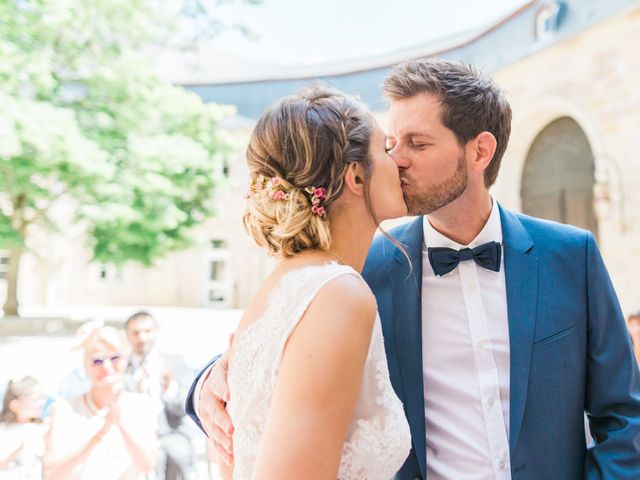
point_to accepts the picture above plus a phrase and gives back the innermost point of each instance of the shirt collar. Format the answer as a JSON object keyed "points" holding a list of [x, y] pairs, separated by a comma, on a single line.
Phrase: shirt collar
{"points": [[491, 232]]}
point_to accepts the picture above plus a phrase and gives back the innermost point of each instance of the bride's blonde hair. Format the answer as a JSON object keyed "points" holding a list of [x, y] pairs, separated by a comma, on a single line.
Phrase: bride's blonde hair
{"points": [[306, 140]]}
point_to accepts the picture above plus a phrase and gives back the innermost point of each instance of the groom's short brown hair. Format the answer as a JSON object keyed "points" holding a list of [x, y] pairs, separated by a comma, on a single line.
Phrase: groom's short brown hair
{"points": [[471, 102]]}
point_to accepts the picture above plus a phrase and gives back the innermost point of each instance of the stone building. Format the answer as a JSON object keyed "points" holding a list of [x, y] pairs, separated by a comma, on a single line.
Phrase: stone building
{"points": [[570, 70]]}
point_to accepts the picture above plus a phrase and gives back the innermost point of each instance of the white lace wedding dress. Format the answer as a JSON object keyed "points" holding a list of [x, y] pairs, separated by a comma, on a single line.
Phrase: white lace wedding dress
{"points": [[378, 439]]}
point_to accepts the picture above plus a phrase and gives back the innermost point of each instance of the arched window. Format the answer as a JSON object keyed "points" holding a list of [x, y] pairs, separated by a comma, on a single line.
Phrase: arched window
{"points": [[558, 179]]}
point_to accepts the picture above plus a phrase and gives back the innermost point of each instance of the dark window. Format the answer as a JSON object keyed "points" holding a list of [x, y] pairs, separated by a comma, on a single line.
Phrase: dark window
{"points": [[218, 243]]}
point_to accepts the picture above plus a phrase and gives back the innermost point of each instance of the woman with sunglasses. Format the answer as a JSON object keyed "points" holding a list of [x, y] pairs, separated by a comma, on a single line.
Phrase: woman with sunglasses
{"points": [[106, 433]]}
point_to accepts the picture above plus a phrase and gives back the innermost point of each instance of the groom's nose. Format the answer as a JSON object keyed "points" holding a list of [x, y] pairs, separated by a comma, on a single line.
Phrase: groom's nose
{"points": [[402, 161]]}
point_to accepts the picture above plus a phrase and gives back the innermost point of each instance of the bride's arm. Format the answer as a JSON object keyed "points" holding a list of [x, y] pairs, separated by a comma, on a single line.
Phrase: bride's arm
{"points": [[318, 384]]}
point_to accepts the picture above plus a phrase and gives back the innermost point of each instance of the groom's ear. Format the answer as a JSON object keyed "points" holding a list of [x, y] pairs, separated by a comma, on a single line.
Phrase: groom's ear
{"points": [[354, 178], [484, 146]]}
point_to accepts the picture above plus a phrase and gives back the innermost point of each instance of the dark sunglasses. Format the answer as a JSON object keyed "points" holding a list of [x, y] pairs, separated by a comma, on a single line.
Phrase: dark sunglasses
{"points": [[98, 362]]}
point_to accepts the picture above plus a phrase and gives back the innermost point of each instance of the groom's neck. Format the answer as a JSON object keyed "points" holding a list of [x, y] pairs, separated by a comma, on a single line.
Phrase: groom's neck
{"points": [[464, 218]]}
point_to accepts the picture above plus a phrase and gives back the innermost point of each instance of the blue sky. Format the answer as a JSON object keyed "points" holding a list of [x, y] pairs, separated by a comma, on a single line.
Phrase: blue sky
{"points": [[307, 32]]}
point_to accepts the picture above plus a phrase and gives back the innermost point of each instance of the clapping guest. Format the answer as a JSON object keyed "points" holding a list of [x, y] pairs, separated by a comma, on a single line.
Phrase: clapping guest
{"points": [[162, 375], [106, 433], [166, 378], [21, 430]]}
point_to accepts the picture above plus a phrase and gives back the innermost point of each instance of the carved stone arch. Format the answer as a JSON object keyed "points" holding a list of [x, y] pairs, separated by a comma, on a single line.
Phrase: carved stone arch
{"points": [[559, 176]]}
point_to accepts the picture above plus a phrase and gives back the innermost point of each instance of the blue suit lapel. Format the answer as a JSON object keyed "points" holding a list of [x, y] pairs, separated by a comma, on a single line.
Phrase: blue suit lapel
{"points": [[406, 288], [521, 273]]}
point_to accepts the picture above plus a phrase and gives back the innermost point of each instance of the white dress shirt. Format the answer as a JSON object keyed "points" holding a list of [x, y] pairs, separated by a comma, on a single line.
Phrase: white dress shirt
{"points": [[465, 351]]}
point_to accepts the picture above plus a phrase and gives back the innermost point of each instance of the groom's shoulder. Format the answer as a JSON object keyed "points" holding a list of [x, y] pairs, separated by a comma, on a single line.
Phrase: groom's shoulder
{"points": [[553, 235], [383, 250]]}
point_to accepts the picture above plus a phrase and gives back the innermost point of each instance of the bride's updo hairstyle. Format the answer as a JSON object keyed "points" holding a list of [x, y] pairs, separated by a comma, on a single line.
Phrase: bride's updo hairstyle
{"points": [[298, 155]]}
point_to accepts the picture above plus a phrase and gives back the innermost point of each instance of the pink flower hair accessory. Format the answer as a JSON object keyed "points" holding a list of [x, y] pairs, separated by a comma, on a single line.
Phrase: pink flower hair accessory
{"points": [[277, 190], [274, 187], [256, 185], [279, 195], [318, 210], [318, 196]]}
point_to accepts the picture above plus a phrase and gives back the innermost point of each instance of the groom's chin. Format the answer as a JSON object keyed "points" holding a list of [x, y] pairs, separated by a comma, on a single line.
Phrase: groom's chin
{"points": [[416, 207]]}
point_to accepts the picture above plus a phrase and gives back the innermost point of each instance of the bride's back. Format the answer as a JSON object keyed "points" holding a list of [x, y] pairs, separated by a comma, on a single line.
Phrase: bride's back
{"points": [[377, 436]]}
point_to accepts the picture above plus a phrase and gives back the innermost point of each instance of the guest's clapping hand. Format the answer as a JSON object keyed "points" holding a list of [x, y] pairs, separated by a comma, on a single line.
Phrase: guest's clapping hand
{"points": [[114, 414]]}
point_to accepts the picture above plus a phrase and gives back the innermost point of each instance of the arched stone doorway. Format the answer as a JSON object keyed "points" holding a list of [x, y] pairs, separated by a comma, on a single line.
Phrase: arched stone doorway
{"points": [[559, 175]]}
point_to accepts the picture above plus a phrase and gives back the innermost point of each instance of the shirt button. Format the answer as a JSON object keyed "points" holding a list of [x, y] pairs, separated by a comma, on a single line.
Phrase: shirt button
{"points": [[491, 404], [502, 464]]}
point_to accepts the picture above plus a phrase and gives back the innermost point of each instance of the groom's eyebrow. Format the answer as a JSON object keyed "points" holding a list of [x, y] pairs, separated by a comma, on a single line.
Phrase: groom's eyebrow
{"points": [[420, 134]]}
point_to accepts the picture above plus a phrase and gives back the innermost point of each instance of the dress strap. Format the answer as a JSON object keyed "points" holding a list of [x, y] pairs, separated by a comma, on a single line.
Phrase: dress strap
{"points": [[298, 289]]}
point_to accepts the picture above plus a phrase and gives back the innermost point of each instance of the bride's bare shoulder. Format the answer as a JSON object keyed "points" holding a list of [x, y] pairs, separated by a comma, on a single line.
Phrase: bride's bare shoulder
{"points": [[345, 304]]}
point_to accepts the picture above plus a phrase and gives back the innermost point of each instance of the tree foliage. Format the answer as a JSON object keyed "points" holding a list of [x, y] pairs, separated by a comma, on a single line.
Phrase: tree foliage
{"points": [[88, 121], [85, 117]]}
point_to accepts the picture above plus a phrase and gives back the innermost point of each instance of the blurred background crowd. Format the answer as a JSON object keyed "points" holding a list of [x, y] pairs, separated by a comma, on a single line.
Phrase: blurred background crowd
{"points": [[118, 414]]}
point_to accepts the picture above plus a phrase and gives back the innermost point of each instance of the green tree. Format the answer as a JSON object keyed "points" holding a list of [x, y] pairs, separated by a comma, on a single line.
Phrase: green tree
{"points": [[87, 121]]}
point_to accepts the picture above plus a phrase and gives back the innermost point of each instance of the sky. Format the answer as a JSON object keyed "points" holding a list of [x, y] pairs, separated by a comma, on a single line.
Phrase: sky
{"points": [[305, 32]]}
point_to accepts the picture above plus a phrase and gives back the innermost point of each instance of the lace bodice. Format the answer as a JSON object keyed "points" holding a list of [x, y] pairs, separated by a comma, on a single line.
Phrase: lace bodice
{"points": [[378, 438]]}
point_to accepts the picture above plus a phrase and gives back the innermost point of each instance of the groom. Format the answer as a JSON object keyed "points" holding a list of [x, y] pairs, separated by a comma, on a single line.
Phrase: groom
{"points": [[503, 329]]}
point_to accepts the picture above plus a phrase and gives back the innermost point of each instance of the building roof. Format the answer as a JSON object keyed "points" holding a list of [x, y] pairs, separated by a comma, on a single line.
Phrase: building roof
{"points": [[253, 86]]}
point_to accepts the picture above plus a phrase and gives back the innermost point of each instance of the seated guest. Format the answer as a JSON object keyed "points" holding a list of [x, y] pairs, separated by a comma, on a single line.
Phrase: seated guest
{"points": [[105, 433], [21, 430], [167, 378]]}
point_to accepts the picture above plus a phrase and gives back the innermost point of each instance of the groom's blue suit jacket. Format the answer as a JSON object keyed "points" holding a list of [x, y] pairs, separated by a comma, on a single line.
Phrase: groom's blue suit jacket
{"points": [[570, 351]]}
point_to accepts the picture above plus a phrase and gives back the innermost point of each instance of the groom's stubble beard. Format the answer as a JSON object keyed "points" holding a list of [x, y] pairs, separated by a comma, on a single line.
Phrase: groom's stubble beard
{"points": [[424, 201]]}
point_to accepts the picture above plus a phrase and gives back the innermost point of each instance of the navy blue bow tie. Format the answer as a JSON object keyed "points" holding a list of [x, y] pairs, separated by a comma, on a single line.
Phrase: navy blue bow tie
{"points": [[443, 260]]}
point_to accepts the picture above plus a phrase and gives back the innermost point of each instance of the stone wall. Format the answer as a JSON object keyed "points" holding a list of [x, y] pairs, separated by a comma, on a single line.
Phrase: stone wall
{"points": [[592, 78]]}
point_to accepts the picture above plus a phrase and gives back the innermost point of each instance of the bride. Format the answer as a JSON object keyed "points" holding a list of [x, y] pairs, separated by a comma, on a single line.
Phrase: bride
{"points": [[310, 395]]}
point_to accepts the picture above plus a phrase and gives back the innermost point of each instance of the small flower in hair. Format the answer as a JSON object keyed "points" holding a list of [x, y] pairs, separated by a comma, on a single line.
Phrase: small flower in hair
{"points": [[257, 184], [260, 183], [318, 210], [278, 195], [274, 187], [320, 193]]}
